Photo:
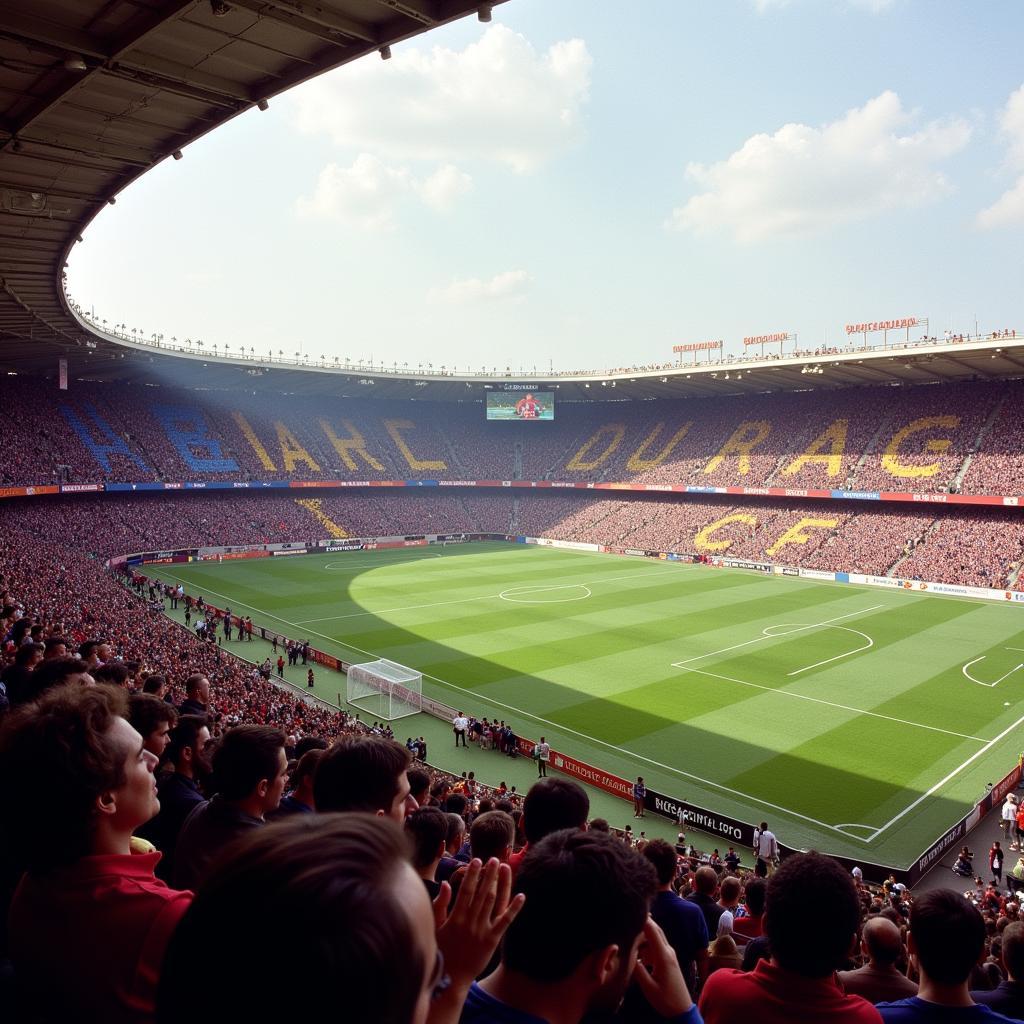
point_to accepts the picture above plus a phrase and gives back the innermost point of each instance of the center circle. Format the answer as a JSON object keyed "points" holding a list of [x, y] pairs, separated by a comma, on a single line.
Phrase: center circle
{"points": [[562, 594]]}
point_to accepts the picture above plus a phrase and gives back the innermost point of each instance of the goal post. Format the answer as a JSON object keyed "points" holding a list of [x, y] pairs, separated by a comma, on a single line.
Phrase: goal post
{"points": [[385, 689]]}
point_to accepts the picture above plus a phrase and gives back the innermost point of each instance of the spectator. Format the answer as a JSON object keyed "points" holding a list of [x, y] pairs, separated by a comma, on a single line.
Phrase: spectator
{"points": [[682, 922], [340, 887], [551, 804], [492, 834], [300, 799], [153, 720], [1008, 996], [766, 850], [750, 926], [588, 968], [705, 883], [454, 841], [197, 695], [249, 769], [811, 922], [364, 773], [50, 674], [178, 788], [89, 922], [419, 783], [428, 829], [879, 979], [16, 678], [946, 939]]}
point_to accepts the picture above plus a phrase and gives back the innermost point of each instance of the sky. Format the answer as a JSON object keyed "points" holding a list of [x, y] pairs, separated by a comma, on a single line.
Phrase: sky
{"points": [[583, 184]]}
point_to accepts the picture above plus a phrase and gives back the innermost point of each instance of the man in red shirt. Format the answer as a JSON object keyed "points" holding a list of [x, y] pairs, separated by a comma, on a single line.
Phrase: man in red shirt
{"points": [[89, 922], [811, 921]]}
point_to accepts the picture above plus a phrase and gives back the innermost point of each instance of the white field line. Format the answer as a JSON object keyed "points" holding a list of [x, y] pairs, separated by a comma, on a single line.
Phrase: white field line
{"points": [[982, 658], [479, 597], [833, 704], [951, 775], [740, 794], [847, 654], [335, 566], [769, 636]]}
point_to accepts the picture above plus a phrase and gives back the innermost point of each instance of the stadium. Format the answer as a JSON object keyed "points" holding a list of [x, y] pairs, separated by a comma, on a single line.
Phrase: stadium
{"points": [[723, 598]]}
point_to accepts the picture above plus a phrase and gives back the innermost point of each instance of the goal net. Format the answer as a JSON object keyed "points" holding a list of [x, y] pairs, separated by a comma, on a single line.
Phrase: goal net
{"points": [[385, 689]]}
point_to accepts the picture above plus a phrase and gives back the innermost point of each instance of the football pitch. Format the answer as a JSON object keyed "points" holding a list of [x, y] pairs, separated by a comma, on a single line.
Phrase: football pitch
{"points": [[856, 720]]}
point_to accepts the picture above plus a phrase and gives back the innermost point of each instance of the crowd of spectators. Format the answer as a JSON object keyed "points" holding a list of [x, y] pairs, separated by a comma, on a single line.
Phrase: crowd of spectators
{"points": [[965, 437]]}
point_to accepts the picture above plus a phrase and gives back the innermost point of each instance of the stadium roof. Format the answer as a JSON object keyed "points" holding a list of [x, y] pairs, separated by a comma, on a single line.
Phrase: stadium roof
{"points": [[93, 93]]}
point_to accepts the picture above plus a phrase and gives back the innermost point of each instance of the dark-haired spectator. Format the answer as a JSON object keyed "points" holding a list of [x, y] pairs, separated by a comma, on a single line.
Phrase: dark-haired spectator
{"points": [[599, 825], [153, 719], [299, 799], [589, 967], [15, 680], [492, 834], [682, 922], [946, 940], [419, 785], [1007, 997], [89, 922], [879, 979], [197, 695], [249, 770], [112, 673], [364, 773], [366, 941], [811, 921], [427, 827], [309, 743], [88, 651], [50, 674], [156, 684], [454, 842], [552, 804], [56, 647], [188, 762], [751, 925]]}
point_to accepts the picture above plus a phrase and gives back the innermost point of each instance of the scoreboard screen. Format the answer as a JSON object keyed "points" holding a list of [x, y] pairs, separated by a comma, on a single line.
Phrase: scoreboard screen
{"points": [[520, 405]]}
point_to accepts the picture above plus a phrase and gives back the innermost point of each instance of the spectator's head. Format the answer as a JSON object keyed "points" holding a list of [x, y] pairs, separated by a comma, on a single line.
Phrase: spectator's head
{"points": [[156, 684], [112, 673], [419, 785], [250, 767], [92, 779], [456, 833], [56, 647], [88, 651], [706, 881], [55, 672], [812, 914], [492, 834], [197, 687], [153, 720], [357, 919], [427, 827], [1013, 950], [594, 894], [599, 825], [663, 857], [753, 896], [456, 803], [881, 941], [364, 773], [553, 804], [187, 750], [729, 893], [302, 777], [947, 935], [29, 655], [309, 743]]}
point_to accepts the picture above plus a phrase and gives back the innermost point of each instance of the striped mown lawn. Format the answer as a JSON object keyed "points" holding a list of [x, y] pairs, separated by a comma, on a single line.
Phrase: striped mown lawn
{"points": [[857, 720]]}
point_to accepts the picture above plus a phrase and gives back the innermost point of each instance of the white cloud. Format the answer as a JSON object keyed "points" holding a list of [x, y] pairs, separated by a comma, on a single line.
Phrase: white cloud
{"points": [[1009, 207], [498, 100], [511, 284], [444, 186], [803, 180], [366, 194]]}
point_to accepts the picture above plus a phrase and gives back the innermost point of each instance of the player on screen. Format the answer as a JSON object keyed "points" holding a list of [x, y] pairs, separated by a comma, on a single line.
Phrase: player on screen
{"points": [[528, 408]]}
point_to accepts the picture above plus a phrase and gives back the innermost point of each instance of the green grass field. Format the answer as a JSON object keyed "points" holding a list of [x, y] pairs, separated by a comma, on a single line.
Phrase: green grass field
{"points": [[857, 720]]}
